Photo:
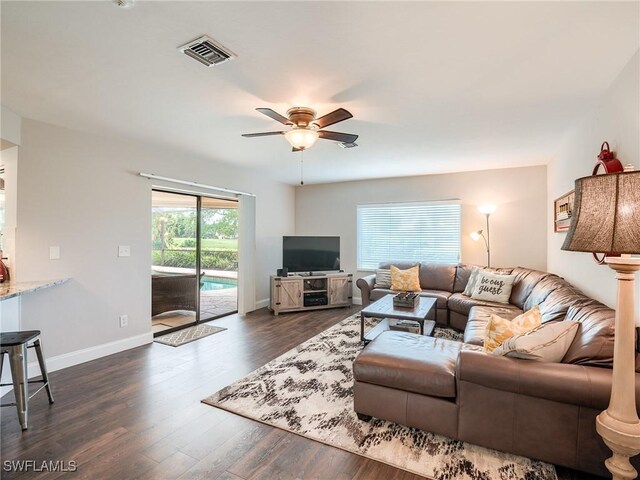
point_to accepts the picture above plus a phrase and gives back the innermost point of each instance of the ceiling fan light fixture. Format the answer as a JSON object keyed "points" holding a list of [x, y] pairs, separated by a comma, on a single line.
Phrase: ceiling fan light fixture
{"points": [[301, 138]]}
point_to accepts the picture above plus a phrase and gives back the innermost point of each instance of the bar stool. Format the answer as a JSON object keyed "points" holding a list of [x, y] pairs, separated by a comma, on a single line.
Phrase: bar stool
{"points": [[15, 345]]}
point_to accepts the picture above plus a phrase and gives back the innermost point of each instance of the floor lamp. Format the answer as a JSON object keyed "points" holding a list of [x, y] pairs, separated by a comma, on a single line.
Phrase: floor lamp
{"points": [[606, 218], [487, 210]]}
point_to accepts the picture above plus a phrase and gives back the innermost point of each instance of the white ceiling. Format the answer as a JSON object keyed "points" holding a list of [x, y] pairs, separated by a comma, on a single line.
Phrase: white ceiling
{"points": [[433, 86]]}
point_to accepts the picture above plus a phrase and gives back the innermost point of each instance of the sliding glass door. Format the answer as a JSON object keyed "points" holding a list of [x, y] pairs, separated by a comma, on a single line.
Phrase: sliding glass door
{"points": [[194, 259], [219, 257], [174, 268]]}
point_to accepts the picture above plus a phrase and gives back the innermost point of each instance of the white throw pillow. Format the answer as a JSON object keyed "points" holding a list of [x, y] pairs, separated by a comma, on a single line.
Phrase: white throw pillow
{"points": [[493, 287], [547, 343], [383, 278], [468, 290]]}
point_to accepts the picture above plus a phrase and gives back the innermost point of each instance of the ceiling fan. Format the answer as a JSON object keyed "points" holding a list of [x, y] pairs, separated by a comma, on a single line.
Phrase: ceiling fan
{"points": [[306, 127]]}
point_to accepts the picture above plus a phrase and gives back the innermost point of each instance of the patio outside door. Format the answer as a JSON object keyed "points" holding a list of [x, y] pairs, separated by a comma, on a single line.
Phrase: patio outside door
{"points": [[218, 257], [194, 259]]}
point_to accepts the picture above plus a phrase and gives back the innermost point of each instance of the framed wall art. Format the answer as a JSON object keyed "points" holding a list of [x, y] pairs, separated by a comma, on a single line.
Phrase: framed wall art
{"points": [[562, 211]]}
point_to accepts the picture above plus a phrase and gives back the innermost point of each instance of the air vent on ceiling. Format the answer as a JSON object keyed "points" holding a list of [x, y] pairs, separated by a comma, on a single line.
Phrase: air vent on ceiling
{"points": [[347, 144], [207, 51]]}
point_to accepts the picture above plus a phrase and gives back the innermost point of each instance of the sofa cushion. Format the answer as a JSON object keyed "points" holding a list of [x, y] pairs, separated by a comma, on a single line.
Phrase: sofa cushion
{"points": [[548, 342], [400, 265], [492, 287], [593, 344], [440, 295], [405, 280], [437, 276], [499, 329], [378, 293], [460, 303], [410, 362], [571, 384], [472, 276], [526, 280], [557, 303], [462, 277], [473, 279], [383, 278], [542, 290], [478, 319]]}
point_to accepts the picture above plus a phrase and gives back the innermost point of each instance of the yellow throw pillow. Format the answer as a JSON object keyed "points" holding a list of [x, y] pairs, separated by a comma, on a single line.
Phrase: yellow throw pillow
{"points": [[500, 329], [405, 280]]}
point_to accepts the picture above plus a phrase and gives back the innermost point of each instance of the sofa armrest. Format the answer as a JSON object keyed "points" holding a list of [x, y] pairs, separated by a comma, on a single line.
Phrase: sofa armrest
{"points": [[559, 382], [366, 284]]}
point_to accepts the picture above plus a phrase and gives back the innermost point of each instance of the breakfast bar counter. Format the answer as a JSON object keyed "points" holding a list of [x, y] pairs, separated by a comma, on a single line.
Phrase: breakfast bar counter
{"points": [[15, 289], [11, 294]]}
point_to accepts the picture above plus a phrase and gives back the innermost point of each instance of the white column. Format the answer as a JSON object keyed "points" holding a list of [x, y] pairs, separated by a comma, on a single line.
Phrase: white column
{"points": [[246, 254]]}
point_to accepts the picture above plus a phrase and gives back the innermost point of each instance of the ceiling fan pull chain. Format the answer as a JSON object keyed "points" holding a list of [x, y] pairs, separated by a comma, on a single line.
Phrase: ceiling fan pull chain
{"points": [[302, 167]]}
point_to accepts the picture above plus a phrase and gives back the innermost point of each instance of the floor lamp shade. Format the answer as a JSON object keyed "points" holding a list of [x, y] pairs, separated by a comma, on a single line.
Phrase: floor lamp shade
{"points": [[606, 214]]}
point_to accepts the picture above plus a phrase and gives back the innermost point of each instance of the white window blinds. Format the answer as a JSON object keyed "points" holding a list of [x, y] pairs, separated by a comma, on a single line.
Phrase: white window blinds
{"points": [[417, 232]]}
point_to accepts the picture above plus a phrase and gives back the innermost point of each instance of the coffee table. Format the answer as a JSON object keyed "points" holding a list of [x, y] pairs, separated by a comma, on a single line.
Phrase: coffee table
{"points": [[384, 309]]}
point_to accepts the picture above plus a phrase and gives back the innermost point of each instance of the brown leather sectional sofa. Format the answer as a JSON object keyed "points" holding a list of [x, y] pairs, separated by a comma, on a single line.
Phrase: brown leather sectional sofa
{"points": [[544, 411]]}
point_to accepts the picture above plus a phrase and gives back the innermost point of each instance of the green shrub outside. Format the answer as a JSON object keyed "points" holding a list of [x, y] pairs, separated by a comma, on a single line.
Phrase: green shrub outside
{"points": [[211, 259]]}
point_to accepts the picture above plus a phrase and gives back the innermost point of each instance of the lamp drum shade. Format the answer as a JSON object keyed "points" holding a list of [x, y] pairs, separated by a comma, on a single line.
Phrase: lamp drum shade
{"points": [[606, 214]]}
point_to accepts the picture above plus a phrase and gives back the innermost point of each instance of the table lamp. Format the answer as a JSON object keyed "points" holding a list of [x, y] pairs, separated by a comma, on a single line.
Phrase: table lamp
{"points": [[606, 218]]}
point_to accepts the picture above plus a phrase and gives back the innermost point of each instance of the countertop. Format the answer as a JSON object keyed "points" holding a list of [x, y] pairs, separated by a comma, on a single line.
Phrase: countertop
{"points": [[14, 289]]}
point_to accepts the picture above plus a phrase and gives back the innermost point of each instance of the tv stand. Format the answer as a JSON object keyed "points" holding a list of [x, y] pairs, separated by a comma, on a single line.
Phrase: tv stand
{"points": [[309, 291]]}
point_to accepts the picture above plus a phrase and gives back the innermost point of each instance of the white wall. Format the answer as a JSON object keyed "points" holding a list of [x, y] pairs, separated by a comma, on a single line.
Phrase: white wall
{"points": [[9, 162], [615, 118], [10, 125], [518, 235], [81, 192]]}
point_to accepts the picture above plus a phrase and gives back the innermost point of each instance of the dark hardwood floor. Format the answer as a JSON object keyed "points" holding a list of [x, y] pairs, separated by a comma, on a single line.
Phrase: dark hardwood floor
{"points": [[137, 414]]}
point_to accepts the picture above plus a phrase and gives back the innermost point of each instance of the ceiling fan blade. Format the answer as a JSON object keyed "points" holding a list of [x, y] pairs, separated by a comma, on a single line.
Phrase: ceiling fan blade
{"points": [[336, 116], [294, 149], [262, 134], [275, 115], [337, 136]]}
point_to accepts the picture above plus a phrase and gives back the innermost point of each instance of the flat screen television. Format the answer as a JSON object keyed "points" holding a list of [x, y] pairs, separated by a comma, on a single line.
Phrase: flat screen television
{"points": [[311, 254]]}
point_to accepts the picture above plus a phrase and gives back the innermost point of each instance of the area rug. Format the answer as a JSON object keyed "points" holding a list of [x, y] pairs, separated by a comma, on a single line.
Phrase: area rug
{"points": [[186, 335], [308, 391]]}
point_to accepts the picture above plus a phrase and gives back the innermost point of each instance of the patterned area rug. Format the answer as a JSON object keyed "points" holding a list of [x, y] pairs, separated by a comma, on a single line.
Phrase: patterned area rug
{"points": [[187, 335], [308, 391]]}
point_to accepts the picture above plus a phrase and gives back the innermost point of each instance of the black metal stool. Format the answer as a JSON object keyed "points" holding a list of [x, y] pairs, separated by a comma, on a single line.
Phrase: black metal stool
{"points": [[15, 345]]}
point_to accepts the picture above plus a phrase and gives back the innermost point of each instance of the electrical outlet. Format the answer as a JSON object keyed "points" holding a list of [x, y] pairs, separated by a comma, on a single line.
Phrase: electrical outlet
{"points": [[124, 321], [124, 251]]}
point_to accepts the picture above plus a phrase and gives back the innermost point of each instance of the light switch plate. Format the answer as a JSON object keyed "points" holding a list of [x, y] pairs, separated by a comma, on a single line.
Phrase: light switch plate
{"points": [[124, 251], [54, 253]]}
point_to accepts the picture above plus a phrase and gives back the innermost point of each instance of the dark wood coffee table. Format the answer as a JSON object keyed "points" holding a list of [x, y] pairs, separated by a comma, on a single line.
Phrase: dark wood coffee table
{"points": [[385, 310]]}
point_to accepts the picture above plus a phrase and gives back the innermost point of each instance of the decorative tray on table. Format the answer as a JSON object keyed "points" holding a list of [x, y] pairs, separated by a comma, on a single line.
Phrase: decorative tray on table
{"points": [[406, 300]]}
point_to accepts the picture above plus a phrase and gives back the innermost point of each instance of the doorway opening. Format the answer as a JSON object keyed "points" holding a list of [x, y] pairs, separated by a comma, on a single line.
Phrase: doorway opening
{"points": [[194, 267]]}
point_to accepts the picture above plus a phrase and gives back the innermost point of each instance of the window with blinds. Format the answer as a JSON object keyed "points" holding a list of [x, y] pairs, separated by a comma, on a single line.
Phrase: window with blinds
{"points": [[420, 232]]}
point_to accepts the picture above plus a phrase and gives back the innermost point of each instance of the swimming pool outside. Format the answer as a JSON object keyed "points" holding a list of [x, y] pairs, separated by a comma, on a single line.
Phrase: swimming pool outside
{"points": [[215, 283]]}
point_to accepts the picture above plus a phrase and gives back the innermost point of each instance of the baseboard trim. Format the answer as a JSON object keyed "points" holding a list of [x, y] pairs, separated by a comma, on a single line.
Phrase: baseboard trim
{"points": [[87, 354], [262, 303]]}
